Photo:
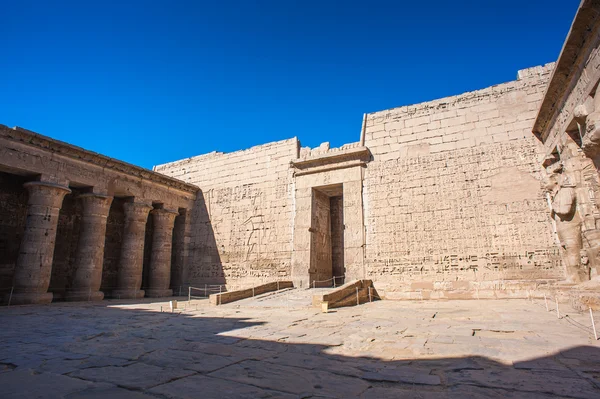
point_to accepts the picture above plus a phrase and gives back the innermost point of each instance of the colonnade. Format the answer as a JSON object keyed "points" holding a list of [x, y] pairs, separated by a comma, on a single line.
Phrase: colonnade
{"points": [[34, 262]]}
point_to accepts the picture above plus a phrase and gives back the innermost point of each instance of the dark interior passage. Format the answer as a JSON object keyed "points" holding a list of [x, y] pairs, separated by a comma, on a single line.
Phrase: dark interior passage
{"points": [[336, 206], [327, 238], [13, 213]]}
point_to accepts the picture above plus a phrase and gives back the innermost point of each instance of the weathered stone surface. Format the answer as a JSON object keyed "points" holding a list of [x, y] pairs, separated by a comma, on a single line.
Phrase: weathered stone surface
{"points": [[276, 348], [100, 391], [136, 376], [206, 387], [185, 360], [29, 384], [292, 380]]}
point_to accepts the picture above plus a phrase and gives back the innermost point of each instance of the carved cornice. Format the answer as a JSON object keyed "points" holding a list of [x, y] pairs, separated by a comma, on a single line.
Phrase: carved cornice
{"points": [[333, 160], [77, 153], [569, 66]]}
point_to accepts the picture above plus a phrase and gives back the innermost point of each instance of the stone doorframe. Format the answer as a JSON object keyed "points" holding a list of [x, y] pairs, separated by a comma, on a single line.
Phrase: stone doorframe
{"points": [[345, 167]]}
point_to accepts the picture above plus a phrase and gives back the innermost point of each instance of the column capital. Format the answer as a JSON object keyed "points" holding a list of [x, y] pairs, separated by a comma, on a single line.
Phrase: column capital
{"points": [[164, 218], [136, 210], [95, 204], [48, 194]]}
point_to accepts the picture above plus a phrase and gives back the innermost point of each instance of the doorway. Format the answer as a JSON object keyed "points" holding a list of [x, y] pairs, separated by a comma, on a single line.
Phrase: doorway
{"points": [[327, 267]]}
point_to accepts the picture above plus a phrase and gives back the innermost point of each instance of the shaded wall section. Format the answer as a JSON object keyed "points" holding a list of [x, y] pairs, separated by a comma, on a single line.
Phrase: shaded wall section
{"points": [[241, 227], [13, 213], [320, 256], [67, 236], [112, 246], [336, 205]]}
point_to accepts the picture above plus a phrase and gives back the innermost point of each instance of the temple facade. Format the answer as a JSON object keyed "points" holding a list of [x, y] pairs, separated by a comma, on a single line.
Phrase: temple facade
{"points": [[487, 194], [76, 225]]}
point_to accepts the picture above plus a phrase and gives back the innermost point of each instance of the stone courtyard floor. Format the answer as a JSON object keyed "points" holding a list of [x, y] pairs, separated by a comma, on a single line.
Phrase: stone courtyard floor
{"points": [[279, 347]]}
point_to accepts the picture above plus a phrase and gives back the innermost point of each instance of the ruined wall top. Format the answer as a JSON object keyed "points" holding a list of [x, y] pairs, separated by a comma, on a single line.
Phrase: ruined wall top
{"points": [[570, 65], [45, 143], [215, 155], [524, 78]]}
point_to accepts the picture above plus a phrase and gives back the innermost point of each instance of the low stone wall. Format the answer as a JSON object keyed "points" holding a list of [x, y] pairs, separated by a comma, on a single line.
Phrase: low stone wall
{"points": [[351, 294], [227, 297]]}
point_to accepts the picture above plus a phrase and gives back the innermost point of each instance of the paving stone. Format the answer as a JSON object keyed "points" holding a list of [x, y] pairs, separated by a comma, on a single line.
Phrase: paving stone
{"points": [[517, 380], [292, 379], [198, 386], [28, 384], [405, 375], [136, 376], [200, 362], [102, 391]]}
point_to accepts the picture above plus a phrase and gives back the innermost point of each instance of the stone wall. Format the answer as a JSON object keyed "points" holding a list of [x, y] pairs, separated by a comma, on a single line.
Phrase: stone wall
{"points": [[453, 201], [453, 195], [112, 246], [67, 235], [13, 211], [241, 224]]}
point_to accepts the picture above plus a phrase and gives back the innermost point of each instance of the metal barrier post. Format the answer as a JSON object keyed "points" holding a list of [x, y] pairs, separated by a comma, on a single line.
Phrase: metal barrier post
{"points": [[10, 296], [593, 324], [357, 300], [546, 302], [189, 294], [370, 298], [205, 290], [557, 311]]}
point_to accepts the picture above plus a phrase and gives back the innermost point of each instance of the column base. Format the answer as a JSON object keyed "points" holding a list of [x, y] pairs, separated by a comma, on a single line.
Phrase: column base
{"points": [[73, 296], [151, 293], [127, 294], [29, 298]]}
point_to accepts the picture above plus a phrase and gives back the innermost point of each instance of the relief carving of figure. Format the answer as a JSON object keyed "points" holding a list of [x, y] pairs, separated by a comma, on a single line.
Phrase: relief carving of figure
{"points": [[567, 204], [587, 116]]}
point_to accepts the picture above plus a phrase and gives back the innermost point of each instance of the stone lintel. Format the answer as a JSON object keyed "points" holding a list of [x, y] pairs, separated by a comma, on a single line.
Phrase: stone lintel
{"points": [[331, 160], [327, 168]]}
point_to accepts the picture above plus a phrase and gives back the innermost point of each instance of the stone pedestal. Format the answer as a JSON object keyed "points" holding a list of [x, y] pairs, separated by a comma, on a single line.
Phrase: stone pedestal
{"points": [[132, 251], [90, 249], [159, 277], [34, 264]]}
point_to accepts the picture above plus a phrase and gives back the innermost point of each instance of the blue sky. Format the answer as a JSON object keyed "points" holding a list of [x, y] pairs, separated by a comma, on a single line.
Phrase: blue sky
{"points": [[150, 82]]}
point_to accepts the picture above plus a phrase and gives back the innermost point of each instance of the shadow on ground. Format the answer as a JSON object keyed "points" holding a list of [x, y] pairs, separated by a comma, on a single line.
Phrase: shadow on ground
{"points": [[100, 351]]}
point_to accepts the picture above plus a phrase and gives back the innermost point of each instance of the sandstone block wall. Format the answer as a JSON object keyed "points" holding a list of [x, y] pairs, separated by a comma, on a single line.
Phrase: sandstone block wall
{"points": [[241, 225], [13, 212], [453, 196]]}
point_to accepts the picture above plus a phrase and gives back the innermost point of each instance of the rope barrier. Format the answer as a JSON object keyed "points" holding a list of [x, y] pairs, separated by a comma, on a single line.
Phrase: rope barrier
{"points": [[314, 283], [590, 329]]}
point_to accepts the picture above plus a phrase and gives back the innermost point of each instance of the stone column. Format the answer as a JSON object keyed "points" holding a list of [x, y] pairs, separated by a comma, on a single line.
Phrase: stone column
{"points": [[89, 255], [159, 277], [132, 251], [34, 264]]}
